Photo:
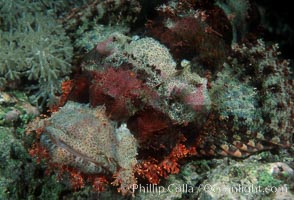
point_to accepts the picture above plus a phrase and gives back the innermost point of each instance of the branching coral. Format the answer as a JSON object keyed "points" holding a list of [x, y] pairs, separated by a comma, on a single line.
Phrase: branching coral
{"points": [[38, 51], [11, 11], [10, 65], [47, 56]]}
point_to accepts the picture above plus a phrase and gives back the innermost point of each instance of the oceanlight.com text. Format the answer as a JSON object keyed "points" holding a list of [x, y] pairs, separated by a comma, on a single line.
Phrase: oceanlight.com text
{"points": [[186, 188]]}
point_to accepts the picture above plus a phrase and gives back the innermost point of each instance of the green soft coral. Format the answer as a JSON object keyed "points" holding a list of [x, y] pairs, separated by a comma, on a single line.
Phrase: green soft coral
{"points": [[10, 64], [48, 54], [12, 10], [39, 51]]}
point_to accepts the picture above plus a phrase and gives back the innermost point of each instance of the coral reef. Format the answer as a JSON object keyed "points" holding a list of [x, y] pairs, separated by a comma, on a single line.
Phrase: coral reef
{"points": [[168, 109], [161, 102]]}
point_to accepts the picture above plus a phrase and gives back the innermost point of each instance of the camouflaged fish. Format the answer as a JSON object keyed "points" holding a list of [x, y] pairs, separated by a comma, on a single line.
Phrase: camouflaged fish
{"points": [[166, 117]]}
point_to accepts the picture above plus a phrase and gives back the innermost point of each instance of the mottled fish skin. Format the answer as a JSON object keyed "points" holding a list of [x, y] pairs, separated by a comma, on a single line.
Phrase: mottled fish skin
{"points": [[218, 138], [79, 137]]}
